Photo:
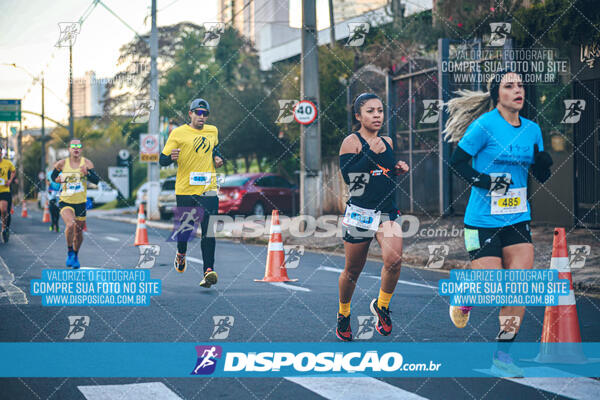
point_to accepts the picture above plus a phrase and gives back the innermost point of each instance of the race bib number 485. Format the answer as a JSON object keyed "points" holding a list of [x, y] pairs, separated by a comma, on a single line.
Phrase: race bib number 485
{"points": [[513, 202]]}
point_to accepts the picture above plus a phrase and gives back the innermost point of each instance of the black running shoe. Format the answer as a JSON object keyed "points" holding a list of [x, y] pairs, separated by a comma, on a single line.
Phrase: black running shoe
{"points": [[5, 235], [343, 330], [180, 263], [384, 322]]}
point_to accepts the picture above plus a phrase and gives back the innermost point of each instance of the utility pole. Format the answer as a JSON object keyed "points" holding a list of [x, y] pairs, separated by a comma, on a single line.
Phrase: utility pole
{"points": [[43, 138], [153, 170], [71, 126], [398, 9], [20, 161], [310, 135], [331, 24]]}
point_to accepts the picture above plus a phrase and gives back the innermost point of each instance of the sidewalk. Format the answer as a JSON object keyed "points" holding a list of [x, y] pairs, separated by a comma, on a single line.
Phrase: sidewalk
{"points": [[425, 232]]}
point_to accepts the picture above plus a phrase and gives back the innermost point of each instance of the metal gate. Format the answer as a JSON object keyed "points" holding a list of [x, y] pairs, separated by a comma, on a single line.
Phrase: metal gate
{"points": [[587, 155], [419, 90], [415, 89]]}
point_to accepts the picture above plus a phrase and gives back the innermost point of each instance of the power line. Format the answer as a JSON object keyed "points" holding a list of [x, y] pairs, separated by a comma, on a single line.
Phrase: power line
{"points": [[237, 13], [88, 11], [119, 18], [168, 5], [37, 78]]}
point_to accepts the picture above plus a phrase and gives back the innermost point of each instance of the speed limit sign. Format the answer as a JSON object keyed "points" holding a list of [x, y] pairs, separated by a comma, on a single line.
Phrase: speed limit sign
{"points": [[305, 112], [148, 148]]}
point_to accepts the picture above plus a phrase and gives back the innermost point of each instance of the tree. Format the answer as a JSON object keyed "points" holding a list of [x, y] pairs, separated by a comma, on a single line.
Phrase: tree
{"points": [[134, 81], [564, 23]]}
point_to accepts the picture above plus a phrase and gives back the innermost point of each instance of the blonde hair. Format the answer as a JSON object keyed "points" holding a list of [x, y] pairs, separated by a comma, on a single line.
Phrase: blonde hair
{"points": [[463, 110]]}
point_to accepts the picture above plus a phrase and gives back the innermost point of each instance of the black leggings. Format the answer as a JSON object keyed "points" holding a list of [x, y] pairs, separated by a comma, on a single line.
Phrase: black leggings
{"points": [[7, 196], [54, 211], [210, 204]]}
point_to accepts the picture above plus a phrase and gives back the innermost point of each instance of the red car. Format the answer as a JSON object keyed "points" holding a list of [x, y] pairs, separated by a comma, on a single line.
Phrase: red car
{"points": [[257, 194]]}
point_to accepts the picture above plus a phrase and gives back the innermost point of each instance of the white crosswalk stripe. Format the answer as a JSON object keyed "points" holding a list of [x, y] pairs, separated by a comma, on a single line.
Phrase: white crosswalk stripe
{"points": [[339, 270], [358, 388], [573, 388], [7, 287], [135, 391]]}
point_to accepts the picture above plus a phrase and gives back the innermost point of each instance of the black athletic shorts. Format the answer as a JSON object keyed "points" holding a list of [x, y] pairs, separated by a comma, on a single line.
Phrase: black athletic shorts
{"points": [[209, 203], [6, 196], [352, 234], [79, 209], [488, 242]]}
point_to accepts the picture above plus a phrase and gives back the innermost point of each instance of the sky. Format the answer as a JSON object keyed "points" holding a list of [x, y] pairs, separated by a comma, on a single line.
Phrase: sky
{"points": [[30, 30]]}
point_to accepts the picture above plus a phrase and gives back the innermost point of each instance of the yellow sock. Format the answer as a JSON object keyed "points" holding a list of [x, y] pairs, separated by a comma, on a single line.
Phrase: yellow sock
{"points": [[344, 309], [384, 299]]}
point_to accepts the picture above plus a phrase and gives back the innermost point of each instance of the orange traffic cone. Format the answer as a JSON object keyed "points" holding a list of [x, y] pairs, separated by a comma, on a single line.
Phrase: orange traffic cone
{"points": [[275, 270], [141, 233], [24, 210], [12, 209], [46, 216], [561, 324]]}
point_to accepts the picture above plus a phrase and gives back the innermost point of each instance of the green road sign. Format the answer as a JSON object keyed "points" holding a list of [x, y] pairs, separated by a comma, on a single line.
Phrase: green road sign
{"points": [[10, 110]]}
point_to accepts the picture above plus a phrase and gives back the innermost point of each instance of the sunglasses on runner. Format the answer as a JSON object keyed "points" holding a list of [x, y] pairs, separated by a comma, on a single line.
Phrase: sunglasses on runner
{"points": [[200, 112], [76, 146]]}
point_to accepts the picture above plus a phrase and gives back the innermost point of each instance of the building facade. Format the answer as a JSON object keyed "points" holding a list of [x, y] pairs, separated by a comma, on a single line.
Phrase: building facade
{"points": [[274, 25], [88, 94]]}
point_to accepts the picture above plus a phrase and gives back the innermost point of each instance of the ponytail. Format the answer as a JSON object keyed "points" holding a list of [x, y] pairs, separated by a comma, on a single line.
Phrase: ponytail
{"points": [[470, 105], [463, 110]]}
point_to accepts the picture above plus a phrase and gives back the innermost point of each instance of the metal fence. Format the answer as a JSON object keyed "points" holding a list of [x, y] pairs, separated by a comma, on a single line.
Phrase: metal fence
{"points": [[420, 90]]}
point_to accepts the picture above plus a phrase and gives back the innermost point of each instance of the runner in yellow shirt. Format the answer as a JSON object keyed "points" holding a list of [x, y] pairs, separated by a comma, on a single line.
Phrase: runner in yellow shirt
{"points": [[194, 147], [73, 173], [7, 176]]}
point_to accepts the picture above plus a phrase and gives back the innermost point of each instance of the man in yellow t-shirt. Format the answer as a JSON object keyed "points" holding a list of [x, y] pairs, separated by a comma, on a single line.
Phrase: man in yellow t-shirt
{"points": [[7, 176], [194, 147]]}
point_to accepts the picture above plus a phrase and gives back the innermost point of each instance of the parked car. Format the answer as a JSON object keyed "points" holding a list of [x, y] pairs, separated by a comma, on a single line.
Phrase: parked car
{"points": [[142, 193], [166, 198], [101, 193], [257, 194]]}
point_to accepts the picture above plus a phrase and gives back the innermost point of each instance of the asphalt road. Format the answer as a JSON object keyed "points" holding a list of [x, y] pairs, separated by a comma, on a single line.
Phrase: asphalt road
{"points": [[262, 312]]}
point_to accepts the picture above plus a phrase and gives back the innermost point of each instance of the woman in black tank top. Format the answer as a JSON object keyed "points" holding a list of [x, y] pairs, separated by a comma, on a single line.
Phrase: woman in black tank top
{"points": [[379, 191], [369, 168]]}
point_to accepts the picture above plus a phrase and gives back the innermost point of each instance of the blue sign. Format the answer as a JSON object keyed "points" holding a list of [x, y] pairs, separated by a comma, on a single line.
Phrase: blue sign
{"points": [[10, 110]]}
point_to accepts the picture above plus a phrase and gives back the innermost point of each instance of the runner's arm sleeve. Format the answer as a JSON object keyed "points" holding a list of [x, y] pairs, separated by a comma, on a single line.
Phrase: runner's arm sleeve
{"points": [[460, 164], [357, 162], [217, 152], [165, 160], [92, 176], [55, 174]]}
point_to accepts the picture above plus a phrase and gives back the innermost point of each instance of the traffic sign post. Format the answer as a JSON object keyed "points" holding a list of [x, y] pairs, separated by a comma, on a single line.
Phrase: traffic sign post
{"points": [[305, 112], [124, 162], [120, 177], [149, 148]]}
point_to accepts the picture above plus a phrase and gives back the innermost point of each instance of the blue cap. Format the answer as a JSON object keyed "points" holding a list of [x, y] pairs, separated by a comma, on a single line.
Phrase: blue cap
{"points": [[199, 103]]}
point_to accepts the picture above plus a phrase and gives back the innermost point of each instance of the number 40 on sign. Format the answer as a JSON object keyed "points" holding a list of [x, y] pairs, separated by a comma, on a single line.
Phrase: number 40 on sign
{"points": [[305, 112]]}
